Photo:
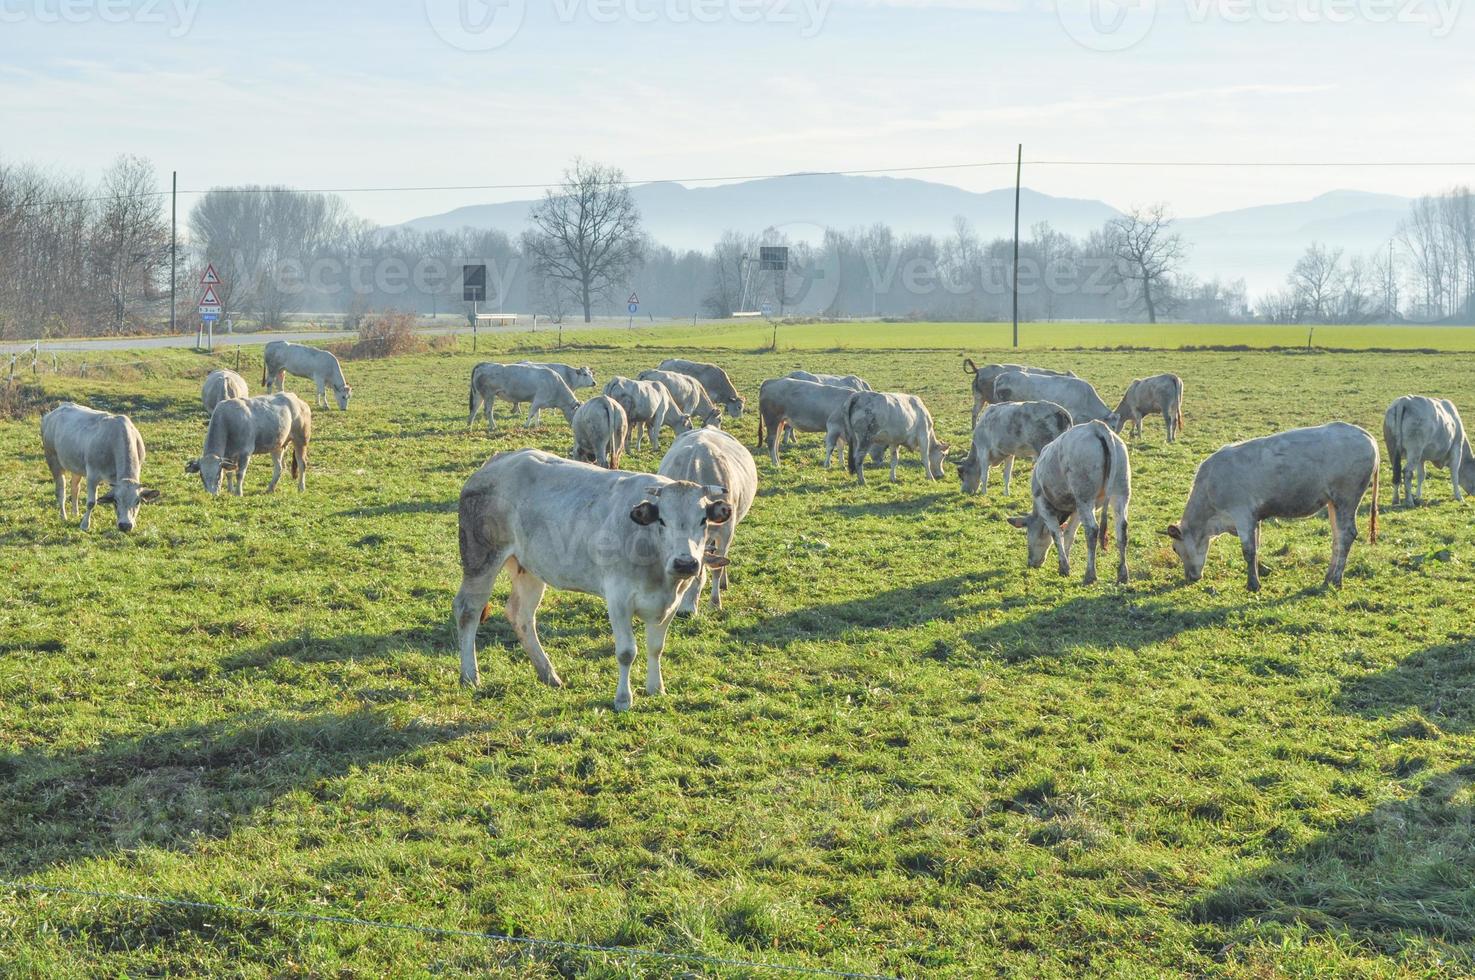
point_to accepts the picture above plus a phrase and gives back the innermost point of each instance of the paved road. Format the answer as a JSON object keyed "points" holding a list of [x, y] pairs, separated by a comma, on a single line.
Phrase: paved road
{"points": [[242, 339]]}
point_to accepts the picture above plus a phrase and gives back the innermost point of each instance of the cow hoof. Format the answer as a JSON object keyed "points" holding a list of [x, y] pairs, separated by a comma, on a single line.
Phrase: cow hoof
{"points": [[552, 680], [1089, 580], [622, 706], [470, 681], [1121, 577]]}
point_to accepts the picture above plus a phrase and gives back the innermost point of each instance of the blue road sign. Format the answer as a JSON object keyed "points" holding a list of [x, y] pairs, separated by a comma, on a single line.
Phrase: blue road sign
{"points": [[634, 308], [210, 317], [768, 309]]}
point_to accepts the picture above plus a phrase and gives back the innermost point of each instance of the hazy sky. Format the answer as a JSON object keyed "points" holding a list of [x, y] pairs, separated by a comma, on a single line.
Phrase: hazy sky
{"points": [[502, 91]]}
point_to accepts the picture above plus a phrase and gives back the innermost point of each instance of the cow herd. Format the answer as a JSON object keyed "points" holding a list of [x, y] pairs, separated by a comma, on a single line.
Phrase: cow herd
{"points": [[651, 544]]}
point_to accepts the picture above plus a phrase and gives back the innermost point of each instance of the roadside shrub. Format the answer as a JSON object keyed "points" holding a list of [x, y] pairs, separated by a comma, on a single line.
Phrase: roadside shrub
{"points": [[20, 399], [389, 334]]}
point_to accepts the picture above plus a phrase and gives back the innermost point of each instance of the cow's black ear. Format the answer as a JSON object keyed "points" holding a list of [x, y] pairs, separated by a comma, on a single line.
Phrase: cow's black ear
{"points": [[719, 512], [1019, 522], [107, 498], [149, 495], [1174, 531], [193, 466], [645, 513]]}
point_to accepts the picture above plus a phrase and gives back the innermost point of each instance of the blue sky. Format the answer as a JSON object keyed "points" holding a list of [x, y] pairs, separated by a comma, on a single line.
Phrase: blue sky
{"points": [[319, 95]]}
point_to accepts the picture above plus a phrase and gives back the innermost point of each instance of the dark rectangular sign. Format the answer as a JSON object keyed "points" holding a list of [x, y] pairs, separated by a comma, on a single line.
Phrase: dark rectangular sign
{"points": [[773, 258], [474, 283]]}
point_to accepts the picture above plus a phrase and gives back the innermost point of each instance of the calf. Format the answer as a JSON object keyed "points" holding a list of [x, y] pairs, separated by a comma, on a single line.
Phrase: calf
{"points": [[687, 394], [1419, 430], [711, 457], [1005, 431], [1072, 394], [1159, 393], [719, 386], [1290, 474], [646, 404], [518, 383], [243, 427], [574, 377], [80, 441], [880, 419], [789, 404], [283, 358], [984, 377], [600, 428], [1085, 468], [636, 539], [220, 385]]}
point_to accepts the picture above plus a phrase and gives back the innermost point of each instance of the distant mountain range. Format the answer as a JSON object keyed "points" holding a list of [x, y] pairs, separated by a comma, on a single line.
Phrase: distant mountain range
{"points": [[1258, 244]]}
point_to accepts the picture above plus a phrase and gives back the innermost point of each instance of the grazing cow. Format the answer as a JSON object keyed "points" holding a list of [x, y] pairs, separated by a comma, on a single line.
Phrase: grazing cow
{"points": [[600, 429], [1159, 393], [792, 404], [1421, 430], [1085, 468], [1072, 394], [711, 457], [876, 418], [220, 385], [713, 378], [283, 358], [984, 378], [646, 404], [1005, 431], [687, 394], [574, 377], [82, 442], [1290, 474], [518, 383], [833, 380], [636, 539], [243, 427]]}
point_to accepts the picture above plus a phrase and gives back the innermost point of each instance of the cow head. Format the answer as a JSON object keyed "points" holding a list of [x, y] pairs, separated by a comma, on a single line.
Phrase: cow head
{"points": [[970, 472], [1113, 421], [712, 420], [127, 496], [678, 515], [936, 457], [734, 407], [210, 467], [583, 378], [1039, 535], [342, 393], [1192, 547]]}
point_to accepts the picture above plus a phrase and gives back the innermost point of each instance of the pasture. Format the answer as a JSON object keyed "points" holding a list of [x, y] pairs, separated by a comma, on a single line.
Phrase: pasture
{"points": [[895, 750]]}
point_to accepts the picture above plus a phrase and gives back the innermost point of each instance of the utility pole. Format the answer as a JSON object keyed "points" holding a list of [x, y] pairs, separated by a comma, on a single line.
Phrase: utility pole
{"points": [[1018, 171], [173, 250]]}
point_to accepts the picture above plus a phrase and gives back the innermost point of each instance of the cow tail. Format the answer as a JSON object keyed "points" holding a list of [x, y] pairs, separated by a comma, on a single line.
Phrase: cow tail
{"points": [[852, 440], [1179, 382], [1372, 524], [759, 413], [969, 366], [1395, 446], [1104, 533], [263, 370]]}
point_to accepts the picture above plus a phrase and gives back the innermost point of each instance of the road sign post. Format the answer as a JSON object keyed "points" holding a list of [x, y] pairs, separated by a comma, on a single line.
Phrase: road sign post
{"points": [[474, 291], [633, 305]]}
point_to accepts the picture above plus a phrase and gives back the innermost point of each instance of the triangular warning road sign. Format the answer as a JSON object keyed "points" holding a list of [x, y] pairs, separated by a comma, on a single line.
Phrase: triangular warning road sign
{"points": [[210, 278], [634, 298], [209, 299]]}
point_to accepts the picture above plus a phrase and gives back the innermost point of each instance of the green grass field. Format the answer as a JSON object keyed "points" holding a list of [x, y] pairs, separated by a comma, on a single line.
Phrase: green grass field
{"points": [[896, 750]]}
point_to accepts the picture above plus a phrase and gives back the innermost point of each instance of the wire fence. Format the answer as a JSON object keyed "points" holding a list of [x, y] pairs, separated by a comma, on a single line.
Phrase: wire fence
{"points": [[442, 932]]}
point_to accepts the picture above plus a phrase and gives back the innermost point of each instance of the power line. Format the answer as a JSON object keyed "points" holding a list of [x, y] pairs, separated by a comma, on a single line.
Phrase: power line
{"points": [[874, 171], [439, 932]]}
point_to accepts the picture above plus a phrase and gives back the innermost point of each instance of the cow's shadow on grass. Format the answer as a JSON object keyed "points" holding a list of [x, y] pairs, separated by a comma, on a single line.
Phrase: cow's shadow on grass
{"points": [[888, 508], [404, 507], [176, 787], [310, 648], [1438, 681]]}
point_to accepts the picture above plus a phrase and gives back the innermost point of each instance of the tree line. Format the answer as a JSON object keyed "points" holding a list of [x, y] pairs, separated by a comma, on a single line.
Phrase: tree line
{"points": [[92, 259]]}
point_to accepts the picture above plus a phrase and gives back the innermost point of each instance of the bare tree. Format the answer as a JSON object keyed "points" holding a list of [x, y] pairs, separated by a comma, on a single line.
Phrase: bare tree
{"points": [[586, 233], [130, 243], [1316, 281], [729, 266], [1147, 254]]}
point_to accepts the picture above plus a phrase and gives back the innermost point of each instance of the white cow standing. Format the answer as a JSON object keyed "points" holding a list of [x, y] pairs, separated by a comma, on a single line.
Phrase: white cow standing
{"points": [[1420, 430], [517, 383], [574, 377], [243, 427], [892, 420], [648, 406], [220, 385], [711, 377], [1162, 393], [687, 394], [1082, 470], [82, 442], [1290, 474], [283, 358], [984, 378], [600, 429], [711, 457], [636, 539], [1007, 430], [1075, 395]]}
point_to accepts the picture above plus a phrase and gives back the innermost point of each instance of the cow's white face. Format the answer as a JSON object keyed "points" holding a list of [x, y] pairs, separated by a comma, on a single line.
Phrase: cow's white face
{"points": [[735, 408], [127, 496], [678, 516], [210, 467], [1113, 422], [1192, 548], [342, 395], [970, 473], [583, 378], [939, 453], [1039, 535]]}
